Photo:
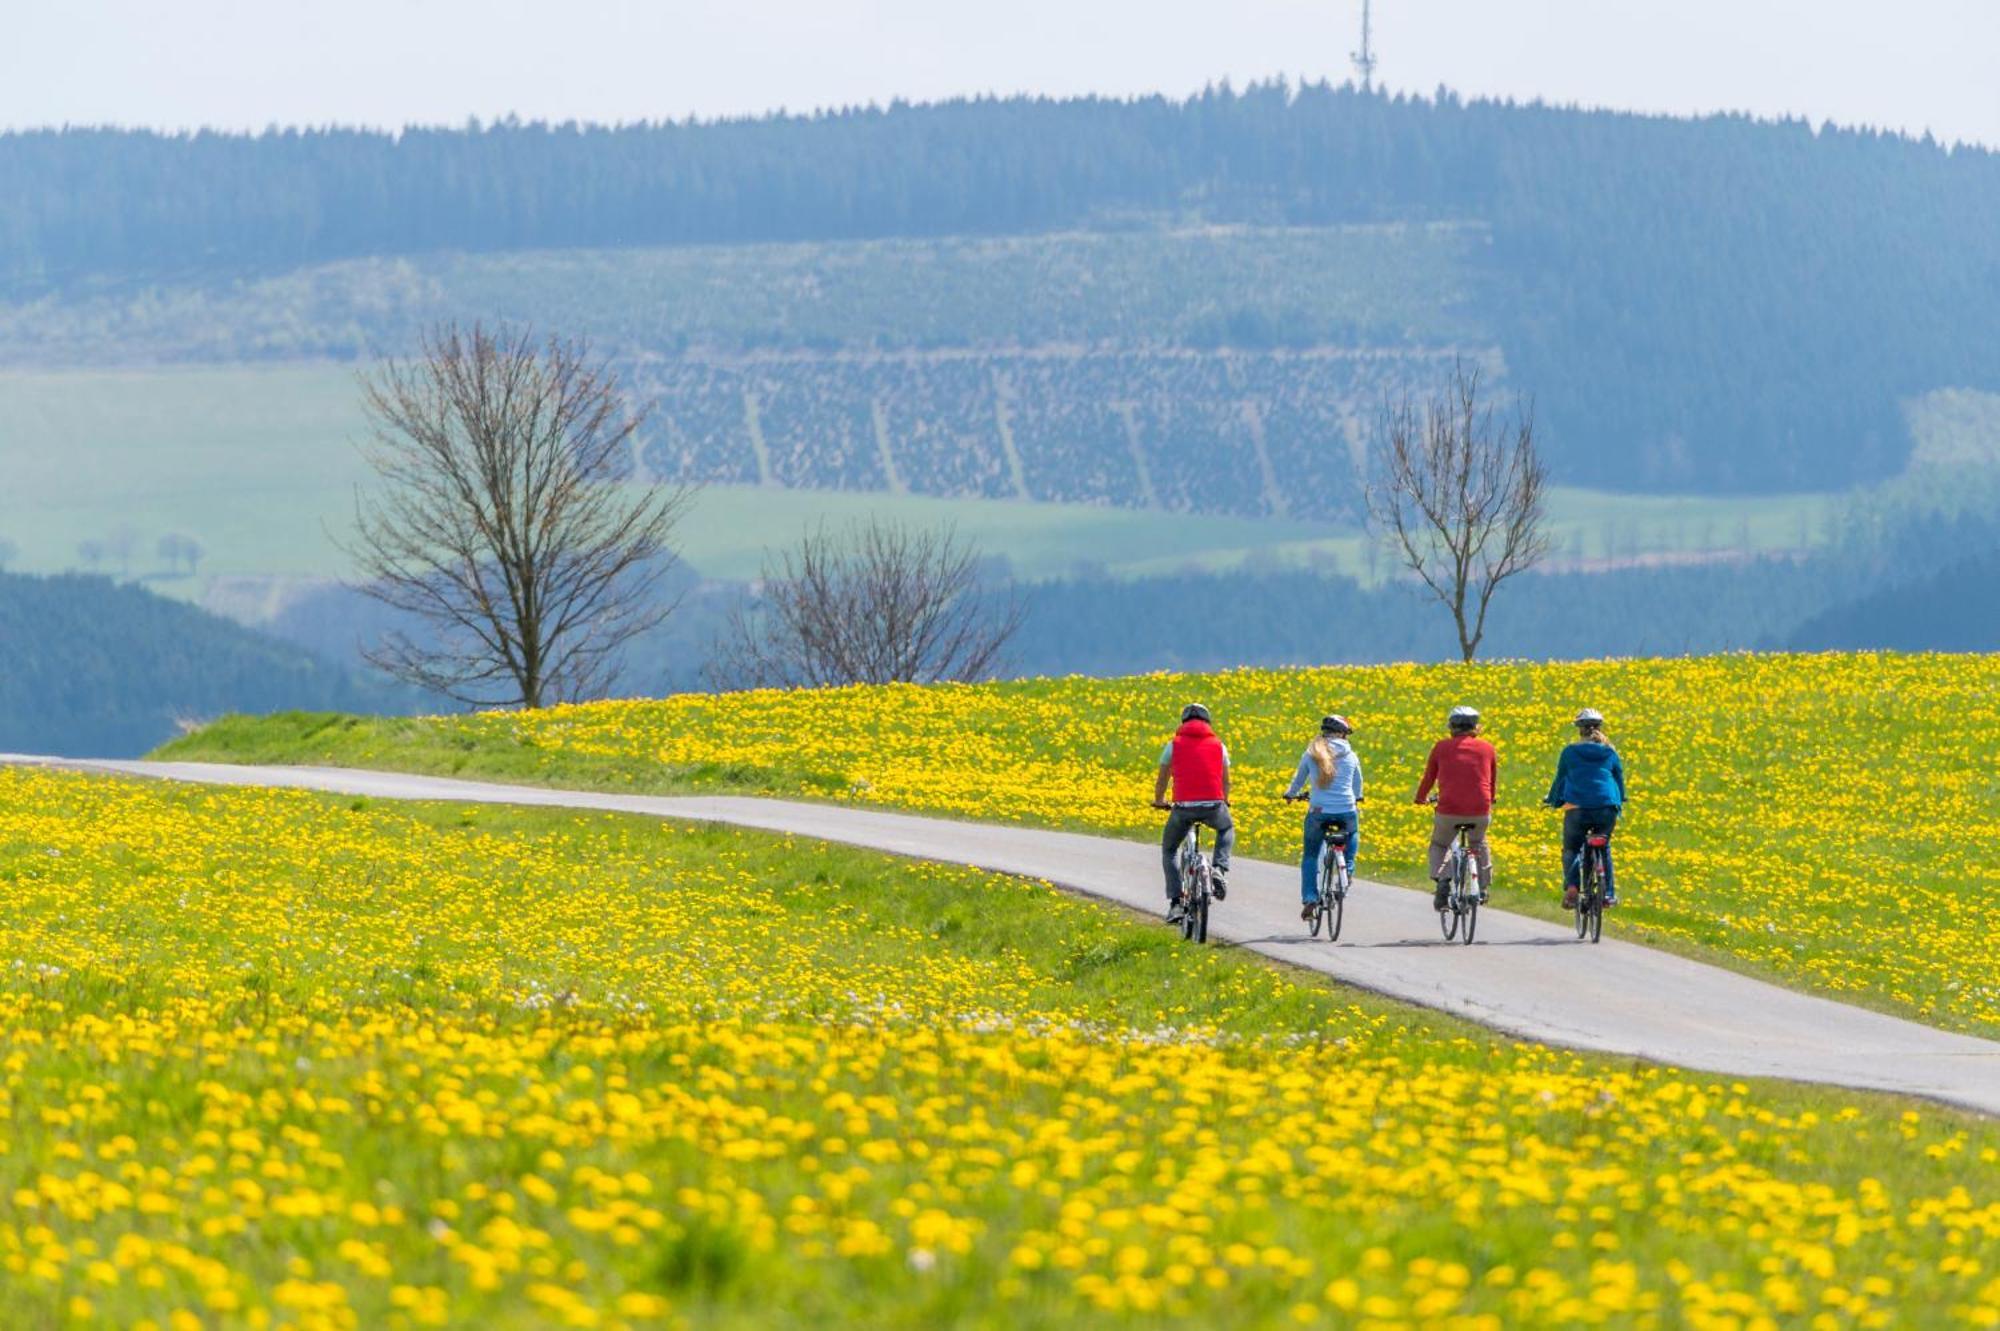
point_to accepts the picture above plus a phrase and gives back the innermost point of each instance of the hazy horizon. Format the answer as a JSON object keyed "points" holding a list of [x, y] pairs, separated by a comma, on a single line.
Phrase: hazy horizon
{"points": [[228, 65]]}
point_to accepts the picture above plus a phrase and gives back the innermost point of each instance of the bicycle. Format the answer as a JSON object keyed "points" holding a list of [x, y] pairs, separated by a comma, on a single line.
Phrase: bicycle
{"points": [[1461, 913], [1195, 887], [1334, 880], [1590, 892]]}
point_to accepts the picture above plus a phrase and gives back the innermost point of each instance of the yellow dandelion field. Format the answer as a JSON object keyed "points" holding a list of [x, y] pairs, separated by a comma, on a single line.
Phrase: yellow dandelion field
{"points": [[278, 1060], [1827, 820]]}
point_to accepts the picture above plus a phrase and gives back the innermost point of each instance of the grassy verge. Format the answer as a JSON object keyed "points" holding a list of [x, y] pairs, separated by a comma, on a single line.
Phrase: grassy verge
{"points": [[279, 1059]]}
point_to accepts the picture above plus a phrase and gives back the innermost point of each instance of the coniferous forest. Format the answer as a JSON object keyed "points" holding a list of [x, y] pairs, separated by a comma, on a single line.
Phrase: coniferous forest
{"points": [[1711, 304]]}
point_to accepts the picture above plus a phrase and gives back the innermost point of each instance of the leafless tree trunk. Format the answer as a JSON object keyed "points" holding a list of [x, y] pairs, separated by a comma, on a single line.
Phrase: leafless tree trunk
{"points": [[1459, 497], [874, 603], [499, 523]]}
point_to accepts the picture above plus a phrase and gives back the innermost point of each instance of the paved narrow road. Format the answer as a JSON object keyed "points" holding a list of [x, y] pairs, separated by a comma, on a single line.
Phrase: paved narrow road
{"points": [[1523, 976]]}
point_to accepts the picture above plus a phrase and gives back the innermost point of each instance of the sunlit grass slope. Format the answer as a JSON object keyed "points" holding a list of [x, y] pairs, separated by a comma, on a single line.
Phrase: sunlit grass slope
{"points": [[1823, 819], [272, 1059]]}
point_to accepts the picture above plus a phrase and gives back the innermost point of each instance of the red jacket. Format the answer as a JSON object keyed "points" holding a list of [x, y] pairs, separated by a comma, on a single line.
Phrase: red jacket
{"points": [[1199, 765], [1466, 772]]}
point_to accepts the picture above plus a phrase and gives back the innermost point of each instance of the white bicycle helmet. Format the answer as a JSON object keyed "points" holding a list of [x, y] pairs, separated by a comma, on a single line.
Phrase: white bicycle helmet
{"points": [[1463, 718]]}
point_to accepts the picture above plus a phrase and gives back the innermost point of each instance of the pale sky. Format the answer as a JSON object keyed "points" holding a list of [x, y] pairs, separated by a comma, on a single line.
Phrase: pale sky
{"points": [[1913, 65]]}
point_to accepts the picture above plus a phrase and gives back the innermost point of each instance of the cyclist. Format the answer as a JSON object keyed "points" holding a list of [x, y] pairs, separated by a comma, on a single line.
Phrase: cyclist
{"points": [[1466, 774], [1590, 790], [1331, 768], [1196, 763]]}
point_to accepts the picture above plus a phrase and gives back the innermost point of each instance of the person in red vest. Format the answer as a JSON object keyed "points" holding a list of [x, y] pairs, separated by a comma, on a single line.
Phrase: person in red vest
{"points": [[1466, 773], [1196, 764]]}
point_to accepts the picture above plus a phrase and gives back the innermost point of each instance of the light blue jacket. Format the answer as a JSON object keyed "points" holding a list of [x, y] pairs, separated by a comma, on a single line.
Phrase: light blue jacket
{"points": [[1342, 791]]}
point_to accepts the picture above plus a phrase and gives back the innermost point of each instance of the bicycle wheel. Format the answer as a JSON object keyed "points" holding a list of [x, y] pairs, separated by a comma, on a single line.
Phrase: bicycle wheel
{"points": [[1201, 920], [1590, 901], [1323, 906], [1448, 917], [1197, 900], [1338, 908], [1468, 899]]}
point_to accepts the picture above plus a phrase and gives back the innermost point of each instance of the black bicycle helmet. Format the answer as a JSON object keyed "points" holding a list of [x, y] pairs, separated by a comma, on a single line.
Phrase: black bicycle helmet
{"points": [[1194, 711], [1335, 725]]}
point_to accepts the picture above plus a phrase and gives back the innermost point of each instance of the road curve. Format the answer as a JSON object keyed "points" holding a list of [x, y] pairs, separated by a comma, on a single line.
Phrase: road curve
{"points": [[1526, 977]]}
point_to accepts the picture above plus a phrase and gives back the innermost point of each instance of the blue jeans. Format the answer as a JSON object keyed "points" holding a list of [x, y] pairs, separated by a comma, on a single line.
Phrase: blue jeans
{"points": [[1316, 825]]}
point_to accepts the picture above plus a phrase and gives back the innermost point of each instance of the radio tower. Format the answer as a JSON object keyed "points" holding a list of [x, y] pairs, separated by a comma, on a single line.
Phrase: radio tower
{"points": [[1364, 59]]}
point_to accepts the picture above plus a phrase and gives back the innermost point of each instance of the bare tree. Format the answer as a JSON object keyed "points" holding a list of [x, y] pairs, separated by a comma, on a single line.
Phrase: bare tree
{"points": [[874, 603], [500, 524], [1459, 497]]}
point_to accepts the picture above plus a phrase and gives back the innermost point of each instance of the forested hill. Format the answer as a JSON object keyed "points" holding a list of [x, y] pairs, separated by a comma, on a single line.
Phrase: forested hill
{"points": [[1712, 303], [97, 669]]}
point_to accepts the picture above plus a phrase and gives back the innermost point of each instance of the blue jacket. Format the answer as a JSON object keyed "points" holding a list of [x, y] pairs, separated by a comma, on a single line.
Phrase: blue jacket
{"points": [[1589, 776]]}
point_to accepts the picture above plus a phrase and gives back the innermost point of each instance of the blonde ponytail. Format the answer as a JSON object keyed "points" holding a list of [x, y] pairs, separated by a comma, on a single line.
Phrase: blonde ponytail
{"points": [[1321, 752]]}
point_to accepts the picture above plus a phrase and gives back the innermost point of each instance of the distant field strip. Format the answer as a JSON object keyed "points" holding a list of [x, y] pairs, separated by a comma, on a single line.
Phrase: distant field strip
{"points": [[259, 465]]}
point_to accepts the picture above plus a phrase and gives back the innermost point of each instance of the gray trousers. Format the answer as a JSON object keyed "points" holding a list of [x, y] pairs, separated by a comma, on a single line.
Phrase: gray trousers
{"points": [[1184, 817], [1444, 831]]}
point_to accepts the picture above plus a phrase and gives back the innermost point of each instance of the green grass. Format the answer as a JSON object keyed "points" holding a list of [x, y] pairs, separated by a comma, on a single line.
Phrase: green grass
{"points": [[282, 1052], [255, 463]]}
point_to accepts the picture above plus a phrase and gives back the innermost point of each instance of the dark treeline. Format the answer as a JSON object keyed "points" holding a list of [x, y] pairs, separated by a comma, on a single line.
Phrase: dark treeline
{"points": [[98, 669], [1716, 303], [108, 669], [1275, 617], [1904, 575]]}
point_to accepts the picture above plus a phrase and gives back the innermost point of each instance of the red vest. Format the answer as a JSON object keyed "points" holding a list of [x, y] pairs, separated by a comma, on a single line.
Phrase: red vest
{"points": [[1197, 764]]}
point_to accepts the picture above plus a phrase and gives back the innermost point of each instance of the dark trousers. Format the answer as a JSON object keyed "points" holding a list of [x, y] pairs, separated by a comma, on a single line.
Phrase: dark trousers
{"points": [[1184, 817], [1577, 824]]}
